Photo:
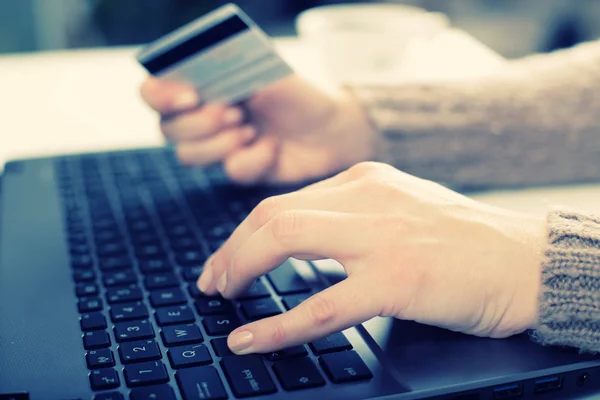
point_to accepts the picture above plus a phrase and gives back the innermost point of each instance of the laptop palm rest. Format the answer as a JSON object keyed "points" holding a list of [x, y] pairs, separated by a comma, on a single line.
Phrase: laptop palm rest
{"points": [[426, 357], [40, 339]]}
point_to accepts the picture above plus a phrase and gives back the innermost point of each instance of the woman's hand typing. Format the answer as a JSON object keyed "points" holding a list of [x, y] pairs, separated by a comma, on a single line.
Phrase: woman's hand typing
{"points": [[420, 251]]}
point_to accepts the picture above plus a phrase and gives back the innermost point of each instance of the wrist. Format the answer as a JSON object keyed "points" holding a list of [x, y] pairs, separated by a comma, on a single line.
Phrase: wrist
{"points": [[534, 241], [354, 132]]}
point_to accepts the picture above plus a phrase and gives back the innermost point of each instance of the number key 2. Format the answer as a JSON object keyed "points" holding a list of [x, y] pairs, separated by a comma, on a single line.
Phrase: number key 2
{"points": [[146, 350]]}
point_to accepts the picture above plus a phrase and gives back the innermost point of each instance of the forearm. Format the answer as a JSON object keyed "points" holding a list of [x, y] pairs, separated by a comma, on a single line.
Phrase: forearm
{"points": [[536, 122], [570, 301]]}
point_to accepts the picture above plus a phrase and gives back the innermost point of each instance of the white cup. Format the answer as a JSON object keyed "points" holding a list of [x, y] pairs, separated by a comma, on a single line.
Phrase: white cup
{"points": [[366, 42]]}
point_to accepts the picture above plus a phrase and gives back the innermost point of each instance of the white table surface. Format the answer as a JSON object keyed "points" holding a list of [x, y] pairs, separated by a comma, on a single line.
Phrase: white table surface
{"points": [[84, 100]]}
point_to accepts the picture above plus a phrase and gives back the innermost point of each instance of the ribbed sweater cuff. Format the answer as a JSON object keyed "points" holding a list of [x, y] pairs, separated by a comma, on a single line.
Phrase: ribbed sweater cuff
{"points": [[570, 298], [409, 117], [438, 132]]}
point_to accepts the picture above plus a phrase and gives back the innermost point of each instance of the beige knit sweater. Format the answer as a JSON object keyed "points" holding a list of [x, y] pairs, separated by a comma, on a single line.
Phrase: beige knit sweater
{"points": [[537, 122]]}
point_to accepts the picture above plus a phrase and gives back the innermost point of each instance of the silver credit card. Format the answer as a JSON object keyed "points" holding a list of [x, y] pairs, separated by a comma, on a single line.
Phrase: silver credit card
{"points": [[223, 54]]}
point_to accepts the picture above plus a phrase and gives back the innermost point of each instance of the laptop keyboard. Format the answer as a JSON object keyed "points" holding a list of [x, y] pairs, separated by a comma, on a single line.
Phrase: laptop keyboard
{"points": [[139, 228]]}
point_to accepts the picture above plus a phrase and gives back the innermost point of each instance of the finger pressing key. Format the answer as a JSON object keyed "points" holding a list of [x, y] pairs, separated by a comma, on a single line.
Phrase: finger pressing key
{"points": [[290, 234], [334, 309]]}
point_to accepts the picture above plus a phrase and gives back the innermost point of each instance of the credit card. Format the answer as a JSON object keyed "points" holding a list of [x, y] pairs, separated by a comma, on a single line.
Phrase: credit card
{"points": [[223, 54]]}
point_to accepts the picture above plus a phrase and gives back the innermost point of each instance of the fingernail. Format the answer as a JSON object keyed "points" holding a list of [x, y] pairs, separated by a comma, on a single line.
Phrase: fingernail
{"points": [[205, 279], [248, 133], [222, 284], [185, 101], [233, 116], [240, 342]]}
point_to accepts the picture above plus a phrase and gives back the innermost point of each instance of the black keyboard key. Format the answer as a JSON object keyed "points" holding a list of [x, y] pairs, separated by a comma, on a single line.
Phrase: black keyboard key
{"points": [[107, 250], [256, 291], [104, 220], [213, 306], [174, 315], [260, 308], [103, 379], [298, 374], [155, 265], [113, 263], [177, 231], [221, 325], [178, 335], [77, 240], [247, 376], [109, 236], [128, 312], [190, 258], [86, 289], [200, 383], [119, 278], [158, 392], [189, 356], [82, 262], [220, 347], [161, 281], [79, 249], [149, 252], [294, 300], [145, 239], [290, 352], [331, 344], [286, 280], [184, 244], [191, 274], [172, 217], [109, 396], [84, 275], [88, 305], [124, 295], [167, 297], [102, 358], [133, 330], [148, 373], [92, 321], [345, 367], [96, 340], [140, 224], [194, 291], [134, 352]]}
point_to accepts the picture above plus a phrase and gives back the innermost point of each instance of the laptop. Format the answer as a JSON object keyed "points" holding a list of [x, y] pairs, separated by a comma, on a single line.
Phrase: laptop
{"points": [[99, 257]]}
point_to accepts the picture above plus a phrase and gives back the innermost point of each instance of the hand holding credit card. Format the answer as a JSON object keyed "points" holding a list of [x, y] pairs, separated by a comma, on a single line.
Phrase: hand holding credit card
{"points": [[224, 55], [225, 96]]}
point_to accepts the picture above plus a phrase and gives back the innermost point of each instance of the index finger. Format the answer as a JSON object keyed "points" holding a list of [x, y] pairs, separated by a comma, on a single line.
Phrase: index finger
{"points": [[300, 200], [168, 97], [337, 308]]}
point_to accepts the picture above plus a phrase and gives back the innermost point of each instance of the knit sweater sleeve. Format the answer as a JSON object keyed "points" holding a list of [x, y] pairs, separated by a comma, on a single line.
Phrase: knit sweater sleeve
{"points": [[535, 122], [570, 298]]}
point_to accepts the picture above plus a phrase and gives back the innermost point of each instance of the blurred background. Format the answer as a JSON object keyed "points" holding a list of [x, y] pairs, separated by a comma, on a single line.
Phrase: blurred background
{"points": [[513, 28]]}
